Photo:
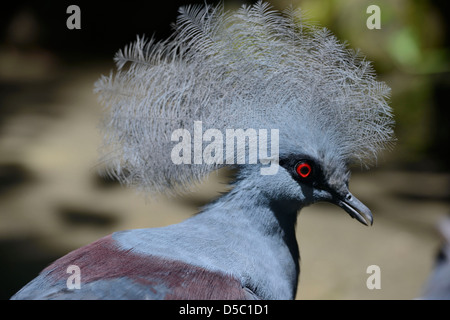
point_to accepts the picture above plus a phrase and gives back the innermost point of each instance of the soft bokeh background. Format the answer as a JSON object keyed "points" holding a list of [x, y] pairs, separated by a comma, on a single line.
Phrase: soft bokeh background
{"points": [[52, 199]]}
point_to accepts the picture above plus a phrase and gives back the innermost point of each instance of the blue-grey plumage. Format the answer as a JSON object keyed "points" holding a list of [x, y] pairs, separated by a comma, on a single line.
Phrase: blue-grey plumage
{"points": [[438, 284], [253, 68]]}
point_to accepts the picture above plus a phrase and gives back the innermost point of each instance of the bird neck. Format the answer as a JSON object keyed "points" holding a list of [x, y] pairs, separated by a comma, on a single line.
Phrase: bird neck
{"points": [[250, 207], [264, 229]]}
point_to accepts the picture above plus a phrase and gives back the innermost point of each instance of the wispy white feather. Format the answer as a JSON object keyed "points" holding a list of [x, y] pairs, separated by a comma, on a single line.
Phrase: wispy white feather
{"points": [[252, 68]]}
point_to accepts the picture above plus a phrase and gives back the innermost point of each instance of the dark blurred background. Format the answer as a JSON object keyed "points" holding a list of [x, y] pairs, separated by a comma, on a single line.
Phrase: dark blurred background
{"points": [[52, 199]]}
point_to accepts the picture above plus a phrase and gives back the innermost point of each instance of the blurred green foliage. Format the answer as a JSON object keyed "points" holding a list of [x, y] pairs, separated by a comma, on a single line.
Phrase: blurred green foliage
{"points": [[411, 55]]}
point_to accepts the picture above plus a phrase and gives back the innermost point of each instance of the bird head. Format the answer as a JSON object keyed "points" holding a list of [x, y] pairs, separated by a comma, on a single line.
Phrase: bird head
{"points": [[321, 181], [253, 68]]}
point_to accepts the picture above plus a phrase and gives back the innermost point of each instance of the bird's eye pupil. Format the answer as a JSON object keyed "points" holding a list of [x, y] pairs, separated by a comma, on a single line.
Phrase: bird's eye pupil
{"points": [[304, 169]]}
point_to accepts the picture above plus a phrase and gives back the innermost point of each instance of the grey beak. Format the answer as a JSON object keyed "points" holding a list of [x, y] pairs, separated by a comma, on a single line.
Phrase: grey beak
{"points": [[355, 208]]}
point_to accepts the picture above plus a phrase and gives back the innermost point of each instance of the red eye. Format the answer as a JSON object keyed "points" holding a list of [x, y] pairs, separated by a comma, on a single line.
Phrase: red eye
{"points": [[304, 169]]}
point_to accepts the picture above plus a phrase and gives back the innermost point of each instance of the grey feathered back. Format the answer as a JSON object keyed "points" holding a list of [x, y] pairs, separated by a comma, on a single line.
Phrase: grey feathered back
{"points": [[253, 68]]}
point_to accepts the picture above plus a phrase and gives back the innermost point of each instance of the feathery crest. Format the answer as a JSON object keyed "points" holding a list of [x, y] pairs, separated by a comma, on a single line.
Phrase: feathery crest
{"points": [[253, 68]]}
